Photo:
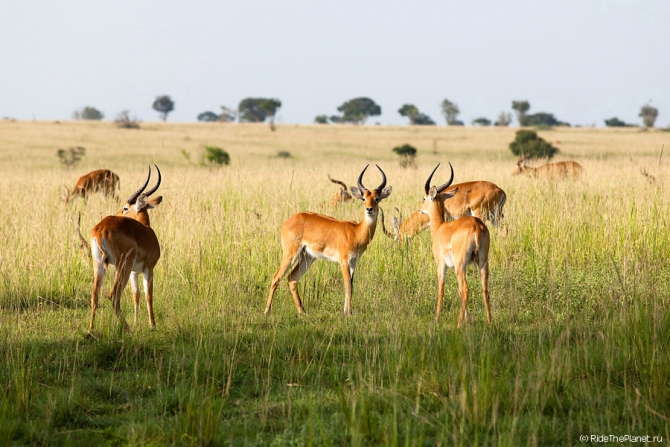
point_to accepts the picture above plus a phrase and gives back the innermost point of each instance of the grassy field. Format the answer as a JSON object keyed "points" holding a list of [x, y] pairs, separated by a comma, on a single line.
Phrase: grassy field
{"points": [[580, 294]]}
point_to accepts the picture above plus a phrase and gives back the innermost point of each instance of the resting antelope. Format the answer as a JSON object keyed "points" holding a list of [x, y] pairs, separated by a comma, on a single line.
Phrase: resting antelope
{"points": [[102, 180], [127, 241], [481, 199], [342, 195], [307, 237], [455, 245], [561, 169]]}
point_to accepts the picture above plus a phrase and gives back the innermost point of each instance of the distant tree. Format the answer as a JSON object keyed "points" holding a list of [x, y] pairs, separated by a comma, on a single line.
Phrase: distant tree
{"points": [[421, 119], [543, 119], [527, 144], [410, 111], [358, 110], [335, 119], [616, 122], [125, 121], [504, 119], [88, 113], [481, 121], [648, 115], [521, 108], [270, 107], [250, 110], [228, 115], [321, 119], [163, 105], [208, 117], [407, 154], [450, 111]]}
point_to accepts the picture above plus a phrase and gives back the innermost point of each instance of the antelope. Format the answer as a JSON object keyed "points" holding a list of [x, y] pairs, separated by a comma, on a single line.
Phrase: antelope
{"points": [[561, 169], [307, 237], [481, 199], [342, 195], [102, 180], [455, 245], [127, 241]]}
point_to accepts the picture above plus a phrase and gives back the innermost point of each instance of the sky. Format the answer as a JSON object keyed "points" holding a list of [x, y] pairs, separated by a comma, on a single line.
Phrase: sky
{"points": [[582, 60]]}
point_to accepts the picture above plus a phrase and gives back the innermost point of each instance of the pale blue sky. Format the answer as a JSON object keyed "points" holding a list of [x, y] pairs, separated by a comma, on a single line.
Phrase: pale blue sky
{"points": [[583, 60]]}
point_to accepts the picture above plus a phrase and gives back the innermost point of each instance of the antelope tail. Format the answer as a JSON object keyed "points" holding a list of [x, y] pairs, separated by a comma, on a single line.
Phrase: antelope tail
{"points": [[386, 232], [83, 243]]}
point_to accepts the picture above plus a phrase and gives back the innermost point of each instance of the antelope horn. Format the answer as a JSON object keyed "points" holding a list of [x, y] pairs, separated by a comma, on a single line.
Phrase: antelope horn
{"points": [[135, 195], [380, 187], [342, 184], [360, 180], [441, 187], [158, 183]]}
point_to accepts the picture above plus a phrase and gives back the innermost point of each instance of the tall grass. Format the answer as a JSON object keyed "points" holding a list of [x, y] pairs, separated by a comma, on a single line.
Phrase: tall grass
{"points": [[580, 292]]}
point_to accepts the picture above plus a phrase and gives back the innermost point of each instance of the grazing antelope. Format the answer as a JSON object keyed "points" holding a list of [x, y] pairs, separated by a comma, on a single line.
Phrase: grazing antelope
{"points": [[561, 169], [342, 195], [127, 241], [102, 180], [481, 199], [307, 237], [455, 245]]}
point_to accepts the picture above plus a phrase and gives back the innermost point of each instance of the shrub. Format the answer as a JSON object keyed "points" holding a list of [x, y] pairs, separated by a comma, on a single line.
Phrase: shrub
{"points": [[407, 154], [125, 121], [528, 144], [71, 156], [284, 154], [321, 119], [216, 155]]}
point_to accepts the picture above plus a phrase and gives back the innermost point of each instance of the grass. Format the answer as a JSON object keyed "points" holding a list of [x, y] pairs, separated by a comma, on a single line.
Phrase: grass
{"points": [[580, 295]]}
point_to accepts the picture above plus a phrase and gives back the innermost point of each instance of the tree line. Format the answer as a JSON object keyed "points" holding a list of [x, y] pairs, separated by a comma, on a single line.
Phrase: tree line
{"points": [[358, 110]]}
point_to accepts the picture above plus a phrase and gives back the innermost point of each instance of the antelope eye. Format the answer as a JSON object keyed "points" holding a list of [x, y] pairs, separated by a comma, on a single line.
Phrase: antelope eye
{"points": [[377, 199], [125, 209]]}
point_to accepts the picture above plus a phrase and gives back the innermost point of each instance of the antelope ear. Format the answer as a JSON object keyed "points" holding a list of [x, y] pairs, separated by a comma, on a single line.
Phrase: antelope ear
{"points": [[153, 203], [385, 192], [433, 192], [140, 203], [449, 194], [357, 193]]}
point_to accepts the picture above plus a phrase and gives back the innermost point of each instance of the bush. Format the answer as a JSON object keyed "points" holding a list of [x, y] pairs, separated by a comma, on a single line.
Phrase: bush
{"points": [[216, 155], [321, 119], [407, 154], [125, 121], [72, 156], [283, 154], [528, 144]]}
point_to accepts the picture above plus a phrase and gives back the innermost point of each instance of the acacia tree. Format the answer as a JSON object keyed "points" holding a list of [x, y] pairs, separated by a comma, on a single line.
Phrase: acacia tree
{"points": [[410, 111], [521, 108], [163, 105], [648, 115], [358, 110], [450, 111], [504, 119], [88, 113], [270, 107]]}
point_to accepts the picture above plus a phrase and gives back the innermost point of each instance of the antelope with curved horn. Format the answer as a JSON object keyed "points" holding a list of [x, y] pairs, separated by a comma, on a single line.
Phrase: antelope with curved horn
{"points": [[342, 195], [102, 180], [481, 199], [127, 241], [559, 170], [307, 237], [455, 245]]}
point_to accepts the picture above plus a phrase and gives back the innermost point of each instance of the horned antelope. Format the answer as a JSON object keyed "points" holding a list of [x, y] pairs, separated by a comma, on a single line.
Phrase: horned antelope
{"points": [[455, 245], [307, 237], [481, 199], [102, 180], [559, 170], [342, 195], [127, 241]]}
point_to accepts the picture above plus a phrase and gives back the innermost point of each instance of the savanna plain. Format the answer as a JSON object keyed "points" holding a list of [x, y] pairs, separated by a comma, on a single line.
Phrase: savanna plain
{"points": [[580, 292]]}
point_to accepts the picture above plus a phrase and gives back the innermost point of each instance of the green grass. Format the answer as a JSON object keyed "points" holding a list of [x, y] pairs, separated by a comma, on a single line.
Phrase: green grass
{"points": [[580, 296]]}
